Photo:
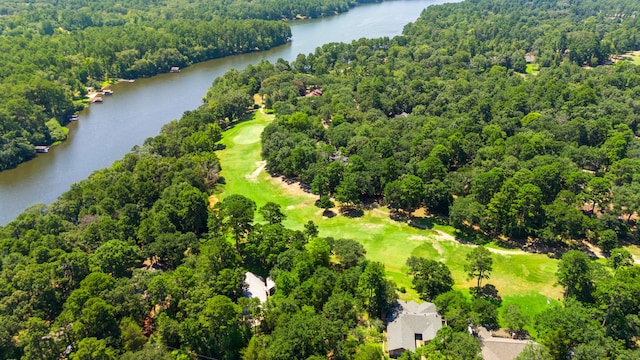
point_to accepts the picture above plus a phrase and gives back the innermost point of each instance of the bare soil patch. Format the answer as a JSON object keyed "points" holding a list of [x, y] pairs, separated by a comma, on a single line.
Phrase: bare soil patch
{"points": [[253, 177], [443, 236], [292, 188], [213, 200]]}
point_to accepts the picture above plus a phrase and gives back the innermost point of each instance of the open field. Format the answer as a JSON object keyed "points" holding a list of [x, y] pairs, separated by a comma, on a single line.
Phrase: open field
{"points": [[523, 278]]}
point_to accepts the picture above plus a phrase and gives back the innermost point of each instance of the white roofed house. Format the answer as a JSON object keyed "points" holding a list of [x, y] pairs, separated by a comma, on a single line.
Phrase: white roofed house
{"points": [[411, 326], [257, 287]]}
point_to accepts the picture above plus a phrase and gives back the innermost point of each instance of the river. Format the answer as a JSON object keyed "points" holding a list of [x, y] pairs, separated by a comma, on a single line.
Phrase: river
{"points": [[136, 111]]}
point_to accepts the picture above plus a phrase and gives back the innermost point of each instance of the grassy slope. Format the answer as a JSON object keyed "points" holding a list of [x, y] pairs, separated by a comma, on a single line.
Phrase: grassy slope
{"points": [[526, 279]]}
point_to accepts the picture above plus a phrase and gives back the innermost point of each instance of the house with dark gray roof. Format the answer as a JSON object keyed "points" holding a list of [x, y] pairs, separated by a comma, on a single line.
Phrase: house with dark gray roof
{"points": [[411, 325]]}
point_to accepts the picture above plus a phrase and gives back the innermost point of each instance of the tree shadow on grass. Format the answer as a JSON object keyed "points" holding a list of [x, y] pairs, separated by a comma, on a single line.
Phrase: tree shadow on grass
{"points": [[471, 237], [426, 223], [399, 216], [352, 212], [488, 292], [328, 214], [418, 222]]}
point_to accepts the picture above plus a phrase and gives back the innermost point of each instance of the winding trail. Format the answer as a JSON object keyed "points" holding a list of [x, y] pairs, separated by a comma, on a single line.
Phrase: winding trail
{"points": [[253, 177]]}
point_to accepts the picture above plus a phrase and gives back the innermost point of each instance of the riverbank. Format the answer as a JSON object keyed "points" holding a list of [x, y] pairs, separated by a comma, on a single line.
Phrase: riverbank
{"points": [[138, 110]]}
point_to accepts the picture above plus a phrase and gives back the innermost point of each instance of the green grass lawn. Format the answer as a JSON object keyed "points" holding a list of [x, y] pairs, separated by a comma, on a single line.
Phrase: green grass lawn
{"points": [[533, 69], [522, 278], [635, 58]]}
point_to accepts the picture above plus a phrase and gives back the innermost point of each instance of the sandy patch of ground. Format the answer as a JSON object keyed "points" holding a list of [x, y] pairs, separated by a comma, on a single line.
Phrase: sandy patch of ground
{"points": [[380, 212], [292, 188], [432, 239], [594, 249], [213, 200], [446, 237], [258, 100], [253, 177]]}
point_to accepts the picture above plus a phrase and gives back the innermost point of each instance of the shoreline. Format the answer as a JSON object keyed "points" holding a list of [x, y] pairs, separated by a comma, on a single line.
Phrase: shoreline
{"points": [[83, 103]]}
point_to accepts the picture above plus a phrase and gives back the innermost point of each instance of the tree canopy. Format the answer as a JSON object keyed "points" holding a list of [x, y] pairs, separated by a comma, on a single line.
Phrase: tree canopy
{"points": [[134, 263]]}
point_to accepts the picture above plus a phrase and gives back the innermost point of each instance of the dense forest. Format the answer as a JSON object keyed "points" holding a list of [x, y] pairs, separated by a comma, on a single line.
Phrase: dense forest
{"points": [[52, 51], [134, 262], [446, 117]]}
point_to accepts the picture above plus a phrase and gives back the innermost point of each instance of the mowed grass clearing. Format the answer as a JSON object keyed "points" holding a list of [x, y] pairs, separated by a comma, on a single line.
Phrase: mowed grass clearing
{"points": [[632, 56], [635, 57], [522, 278], [533, 69]]}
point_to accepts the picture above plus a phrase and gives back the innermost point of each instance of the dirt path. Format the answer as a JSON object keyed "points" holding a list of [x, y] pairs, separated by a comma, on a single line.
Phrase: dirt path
{"points": [[594, 249], [253, 177], [443, 236], [598, 253]]}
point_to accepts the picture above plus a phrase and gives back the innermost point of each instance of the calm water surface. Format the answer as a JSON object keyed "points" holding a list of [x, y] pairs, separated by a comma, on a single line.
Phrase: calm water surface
{"points": [[136, 111]]}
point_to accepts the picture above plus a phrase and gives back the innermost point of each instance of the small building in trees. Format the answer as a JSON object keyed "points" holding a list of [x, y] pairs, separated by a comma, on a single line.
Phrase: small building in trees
{"points": [[529, 58], [411, 325], [258, 287]]}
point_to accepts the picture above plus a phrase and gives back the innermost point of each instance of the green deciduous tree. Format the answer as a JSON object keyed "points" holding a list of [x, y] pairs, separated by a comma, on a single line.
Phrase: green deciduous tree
{"points": [[237, 213], [405, 194], [349, 252], [575, 275], [479, 265], [272, 213], [303, 336], [562, 327], [93, 349], [377, 293], [37, 340], [453, 345], [116, 257], [348, 191], [131, 335], [97, 319], [325, 203], [514, 318], [619, 258], [217, 331], [430, 278], [534, 351]]}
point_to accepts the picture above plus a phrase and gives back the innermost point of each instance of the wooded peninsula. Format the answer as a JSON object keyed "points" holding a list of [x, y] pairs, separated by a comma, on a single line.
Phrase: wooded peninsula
{"points": [[485, 162]]}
